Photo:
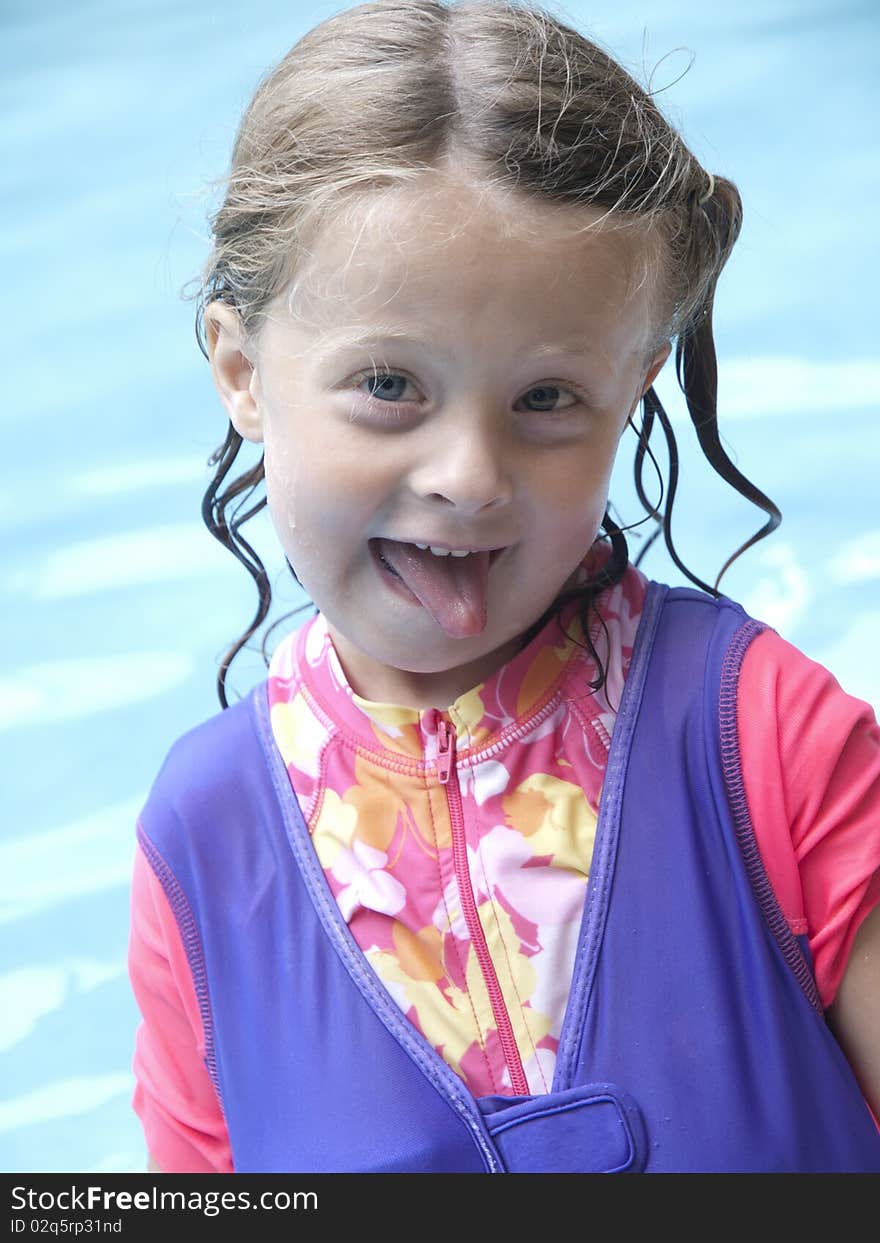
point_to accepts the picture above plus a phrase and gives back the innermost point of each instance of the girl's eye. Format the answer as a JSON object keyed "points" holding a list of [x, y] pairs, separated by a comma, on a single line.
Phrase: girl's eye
{"points": [[385, 386], [545, 397]]}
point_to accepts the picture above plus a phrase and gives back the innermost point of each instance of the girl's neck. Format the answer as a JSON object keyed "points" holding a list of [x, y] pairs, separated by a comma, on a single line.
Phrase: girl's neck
{"points": [[380, 683]]}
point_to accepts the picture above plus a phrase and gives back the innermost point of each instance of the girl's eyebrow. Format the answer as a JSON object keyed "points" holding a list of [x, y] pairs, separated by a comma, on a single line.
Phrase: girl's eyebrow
{"points": [[328, 343], [563, 347]]}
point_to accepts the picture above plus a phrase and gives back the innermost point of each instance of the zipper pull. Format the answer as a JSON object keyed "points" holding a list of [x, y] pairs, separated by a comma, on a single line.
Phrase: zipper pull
{"points": [[446, 740]]}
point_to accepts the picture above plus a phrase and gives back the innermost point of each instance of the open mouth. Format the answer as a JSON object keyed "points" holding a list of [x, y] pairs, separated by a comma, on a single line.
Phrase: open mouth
{"points": [[453, 589]]}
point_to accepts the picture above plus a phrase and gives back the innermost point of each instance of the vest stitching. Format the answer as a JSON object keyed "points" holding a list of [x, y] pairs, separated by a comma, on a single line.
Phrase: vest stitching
{"points": [[192, 945], [745, 833]]}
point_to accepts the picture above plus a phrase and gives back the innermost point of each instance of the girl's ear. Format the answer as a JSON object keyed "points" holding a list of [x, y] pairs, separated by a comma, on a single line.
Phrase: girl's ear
{"points": [[233, 370], [656, 366]]}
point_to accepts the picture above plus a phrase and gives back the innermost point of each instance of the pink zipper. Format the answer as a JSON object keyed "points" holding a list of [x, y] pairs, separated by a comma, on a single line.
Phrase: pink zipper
{"points": [[445, 765], [446, 738]]}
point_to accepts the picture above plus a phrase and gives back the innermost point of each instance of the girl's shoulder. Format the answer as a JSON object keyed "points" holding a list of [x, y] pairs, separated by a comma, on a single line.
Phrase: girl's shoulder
{"points": [[213, 765], [810, 760], [203, 746]]}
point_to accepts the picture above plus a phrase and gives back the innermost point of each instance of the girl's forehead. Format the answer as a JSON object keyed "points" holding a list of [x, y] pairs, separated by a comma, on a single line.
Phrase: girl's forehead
{"points": [[397, 251]]}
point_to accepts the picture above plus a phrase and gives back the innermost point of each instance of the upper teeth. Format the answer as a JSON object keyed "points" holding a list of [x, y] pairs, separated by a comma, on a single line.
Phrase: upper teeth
{"points": [[446, 552]]}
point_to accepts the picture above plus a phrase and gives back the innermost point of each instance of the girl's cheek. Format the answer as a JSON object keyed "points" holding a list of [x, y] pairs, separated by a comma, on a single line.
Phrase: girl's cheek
{"points": [[578, 479]]}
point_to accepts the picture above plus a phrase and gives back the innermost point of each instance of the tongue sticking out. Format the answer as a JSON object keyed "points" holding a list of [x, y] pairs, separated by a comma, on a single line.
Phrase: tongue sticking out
{"points": [[452, 589]]}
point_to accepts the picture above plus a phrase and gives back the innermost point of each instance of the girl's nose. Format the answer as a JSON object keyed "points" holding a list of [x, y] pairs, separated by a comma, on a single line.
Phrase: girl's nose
{"points": [[465, 465]]}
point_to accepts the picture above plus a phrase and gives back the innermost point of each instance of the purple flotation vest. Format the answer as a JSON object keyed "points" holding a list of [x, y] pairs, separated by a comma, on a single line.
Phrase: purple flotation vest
{"points": [[693, 1039]]}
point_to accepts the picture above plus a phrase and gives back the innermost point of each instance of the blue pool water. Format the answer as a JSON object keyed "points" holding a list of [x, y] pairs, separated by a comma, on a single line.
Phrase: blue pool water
{"points": [[117, 604]]}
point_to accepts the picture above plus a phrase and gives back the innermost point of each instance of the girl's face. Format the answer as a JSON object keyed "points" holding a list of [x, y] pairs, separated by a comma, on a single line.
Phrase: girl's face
{"points": [[447, 370]]}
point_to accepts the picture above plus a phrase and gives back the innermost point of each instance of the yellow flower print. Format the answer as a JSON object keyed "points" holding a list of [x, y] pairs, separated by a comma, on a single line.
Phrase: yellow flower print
{"points": [[391, 805], [297, 733], [452, 1019], [555, 817], [467, 714], [420, 953], [542, 673], [444, 1016], [334, 828], [396, 727]]}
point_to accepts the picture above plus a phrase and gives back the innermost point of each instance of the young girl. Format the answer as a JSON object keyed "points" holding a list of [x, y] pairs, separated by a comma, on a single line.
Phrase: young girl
{"points": [[516, 861]]}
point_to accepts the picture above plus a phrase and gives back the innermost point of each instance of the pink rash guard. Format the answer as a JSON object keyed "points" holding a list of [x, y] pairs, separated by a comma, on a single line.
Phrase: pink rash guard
{"points": [[476, 942]]}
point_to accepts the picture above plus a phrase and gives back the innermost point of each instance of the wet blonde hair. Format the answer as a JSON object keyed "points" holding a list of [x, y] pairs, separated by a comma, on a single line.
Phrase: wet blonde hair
{"points": [[377, 95]]}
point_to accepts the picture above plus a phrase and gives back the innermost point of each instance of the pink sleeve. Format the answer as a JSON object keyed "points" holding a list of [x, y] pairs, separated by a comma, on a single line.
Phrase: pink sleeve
{"points": [[811, 766], [174, 1096]]}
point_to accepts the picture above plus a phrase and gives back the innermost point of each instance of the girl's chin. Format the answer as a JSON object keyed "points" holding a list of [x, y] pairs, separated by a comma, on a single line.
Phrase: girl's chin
{"points": [[393, 662]]}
